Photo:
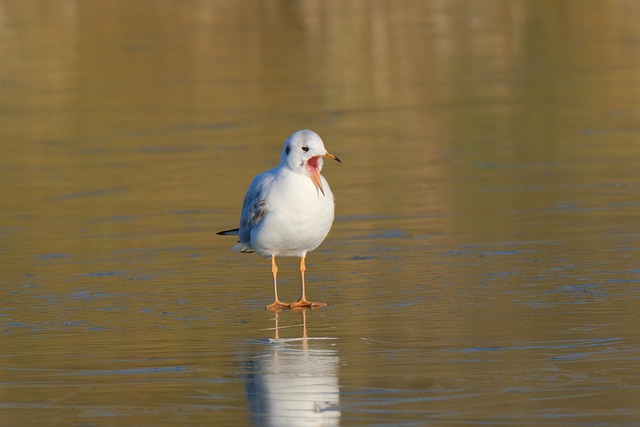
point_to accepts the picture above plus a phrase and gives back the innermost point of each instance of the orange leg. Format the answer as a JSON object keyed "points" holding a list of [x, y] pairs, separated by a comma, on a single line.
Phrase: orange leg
{"points": [[277, 304], [302, 301]]}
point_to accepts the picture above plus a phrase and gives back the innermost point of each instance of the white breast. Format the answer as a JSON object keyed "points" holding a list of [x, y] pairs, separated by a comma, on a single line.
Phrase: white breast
{"points": [[298, 216]]}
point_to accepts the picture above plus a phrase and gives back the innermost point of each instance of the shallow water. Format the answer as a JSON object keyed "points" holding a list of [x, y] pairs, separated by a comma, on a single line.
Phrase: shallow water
{"points": [[483, 267]]}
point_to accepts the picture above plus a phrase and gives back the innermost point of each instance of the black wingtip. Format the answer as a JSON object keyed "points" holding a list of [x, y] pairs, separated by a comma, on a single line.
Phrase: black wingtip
{"points": [[232, 232]]}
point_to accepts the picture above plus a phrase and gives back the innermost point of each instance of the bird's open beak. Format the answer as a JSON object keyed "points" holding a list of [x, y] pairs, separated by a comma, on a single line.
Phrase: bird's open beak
{"points": [[314, 171], [331, 156]]}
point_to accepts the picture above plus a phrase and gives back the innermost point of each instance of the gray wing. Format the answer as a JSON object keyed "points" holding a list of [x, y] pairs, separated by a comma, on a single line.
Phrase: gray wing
{"points": [[253, 209]]}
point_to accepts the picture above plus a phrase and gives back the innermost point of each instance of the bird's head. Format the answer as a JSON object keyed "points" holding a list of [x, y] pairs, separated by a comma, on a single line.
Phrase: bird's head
{"points": [[303, 153]]}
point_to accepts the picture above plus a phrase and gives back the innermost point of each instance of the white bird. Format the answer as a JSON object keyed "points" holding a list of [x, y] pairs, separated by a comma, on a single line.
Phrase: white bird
{"points": [[288, 210]]}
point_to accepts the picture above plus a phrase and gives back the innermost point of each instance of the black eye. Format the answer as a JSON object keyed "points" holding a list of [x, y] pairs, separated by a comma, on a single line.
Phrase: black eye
{"points": [[304, 148]]}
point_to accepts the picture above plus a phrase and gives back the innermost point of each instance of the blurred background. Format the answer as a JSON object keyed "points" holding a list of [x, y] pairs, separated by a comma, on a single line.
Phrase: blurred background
{"points": [[487, 207]]}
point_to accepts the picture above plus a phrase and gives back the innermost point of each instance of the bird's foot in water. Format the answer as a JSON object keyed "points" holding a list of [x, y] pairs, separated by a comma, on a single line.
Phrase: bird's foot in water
{"points": [[278, 306], [303, 303]]}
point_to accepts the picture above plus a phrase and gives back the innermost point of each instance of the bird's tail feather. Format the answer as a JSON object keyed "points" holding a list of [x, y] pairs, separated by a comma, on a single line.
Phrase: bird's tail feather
{"points": [[243, 247], [232, 232], [240, 247]]}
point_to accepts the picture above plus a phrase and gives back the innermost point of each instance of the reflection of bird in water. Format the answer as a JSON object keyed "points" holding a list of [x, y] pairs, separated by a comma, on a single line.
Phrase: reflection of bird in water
{"points": [[294, 382], [288, 210]]}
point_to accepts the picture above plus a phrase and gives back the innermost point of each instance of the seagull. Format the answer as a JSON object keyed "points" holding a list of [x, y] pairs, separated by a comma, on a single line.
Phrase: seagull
{"points": [[288, 210]]}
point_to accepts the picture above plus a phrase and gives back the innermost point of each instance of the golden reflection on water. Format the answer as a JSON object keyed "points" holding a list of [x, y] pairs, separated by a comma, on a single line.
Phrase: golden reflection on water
{"points": [[483, 263]]}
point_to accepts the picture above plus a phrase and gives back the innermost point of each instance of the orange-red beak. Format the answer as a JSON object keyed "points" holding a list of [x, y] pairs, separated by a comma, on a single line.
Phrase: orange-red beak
{"points": [[332, 157]]}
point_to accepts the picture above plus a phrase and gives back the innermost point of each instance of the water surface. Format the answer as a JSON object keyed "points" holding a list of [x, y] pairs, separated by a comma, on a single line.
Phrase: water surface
{"points": [[482, 268]]}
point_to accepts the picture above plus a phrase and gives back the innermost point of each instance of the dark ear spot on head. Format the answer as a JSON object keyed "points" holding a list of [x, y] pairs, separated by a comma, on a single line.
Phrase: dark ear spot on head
{"points": [[286, 150]]}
